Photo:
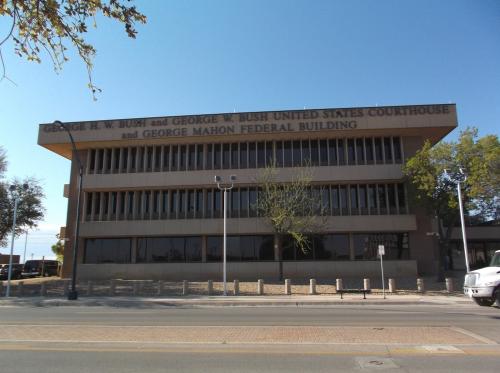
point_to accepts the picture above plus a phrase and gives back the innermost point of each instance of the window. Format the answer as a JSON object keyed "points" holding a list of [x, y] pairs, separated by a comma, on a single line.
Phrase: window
{"points": [[396, 245], [379, 157], [363, 203], [382, 202], [191, 157], [351, 153], [243, 155], [269, 154], [168, 249], [296, 153], [166, 158], [234, 156], [332, 152], [343, 200], [323, 152], [252, 155], [217, 156], [388, 150], [261, 155], [287, 154], [279, 154], [226, 156], [402, 199], [234, 195], [306, 153], [360, 152], [210, 156], [199, 157], [107, 250], [341, 151], [335, 200], [244, 203], [314, 153], [214, 248], [397, 149], [331, 247], [354, 199], [369, 150], [175, 158]]}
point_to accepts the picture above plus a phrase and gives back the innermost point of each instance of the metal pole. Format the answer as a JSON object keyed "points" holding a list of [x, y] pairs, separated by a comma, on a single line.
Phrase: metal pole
{"points": [[466, 252], [7, 293], [382, 269], [225, 239], [73, 294], [25, 244]]}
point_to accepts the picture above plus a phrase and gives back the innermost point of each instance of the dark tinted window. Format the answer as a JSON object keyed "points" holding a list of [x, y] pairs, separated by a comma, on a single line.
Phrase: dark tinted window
{"points": [[107, 250]]}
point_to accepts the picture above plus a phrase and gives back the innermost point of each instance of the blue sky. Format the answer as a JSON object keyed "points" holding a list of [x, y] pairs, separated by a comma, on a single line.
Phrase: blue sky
{"points": [[219, 56]]}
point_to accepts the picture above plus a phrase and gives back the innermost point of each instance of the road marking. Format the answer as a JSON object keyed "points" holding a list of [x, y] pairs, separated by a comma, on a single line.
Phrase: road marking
{"points": [[474, 335], [443, 349]]}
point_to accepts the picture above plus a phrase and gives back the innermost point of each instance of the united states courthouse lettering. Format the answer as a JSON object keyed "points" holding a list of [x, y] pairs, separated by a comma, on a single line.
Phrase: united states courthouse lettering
{"points": [[150, 209]]}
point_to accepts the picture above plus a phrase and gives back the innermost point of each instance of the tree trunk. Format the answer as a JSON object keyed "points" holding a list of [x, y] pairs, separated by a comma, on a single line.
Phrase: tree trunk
{"points": [[278, 243]]}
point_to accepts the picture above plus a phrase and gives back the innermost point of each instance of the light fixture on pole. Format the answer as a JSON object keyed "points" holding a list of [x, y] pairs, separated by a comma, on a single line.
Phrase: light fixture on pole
{"points": [[460, 178], [73, 294], [218, 180], [15, 194]]}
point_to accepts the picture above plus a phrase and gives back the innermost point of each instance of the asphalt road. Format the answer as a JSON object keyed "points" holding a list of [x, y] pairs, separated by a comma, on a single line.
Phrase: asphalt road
{"points": [[18, 353]]}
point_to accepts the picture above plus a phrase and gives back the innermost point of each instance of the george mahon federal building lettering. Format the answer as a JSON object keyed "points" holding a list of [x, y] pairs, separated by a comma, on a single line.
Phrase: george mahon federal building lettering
{"points": [[336, 119]]}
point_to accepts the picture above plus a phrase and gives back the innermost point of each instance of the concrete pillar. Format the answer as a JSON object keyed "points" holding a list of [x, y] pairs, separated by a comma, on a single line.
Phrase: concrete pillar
{"points": [[449, 285], [160, 287], [366, 284], [392, 285], [312, 286], [65, 287], [43, 289], [236, 287], [420, 285], [260, 287], [20, 288], [112, 287], [339, 284], [185, 287], [210, 286], [90, 288], [288, 286]]}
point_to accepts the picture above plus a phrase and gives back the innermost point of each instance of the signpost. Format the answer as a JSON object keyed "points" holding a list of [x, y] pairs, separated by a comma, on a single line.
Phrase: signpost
{"points": [[381, 253]]}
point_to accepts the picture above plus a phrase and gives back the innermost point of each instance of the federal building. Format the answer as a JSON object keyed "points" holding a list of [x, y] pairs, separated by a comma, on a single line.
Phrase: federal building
{"points": [[151, 210]]}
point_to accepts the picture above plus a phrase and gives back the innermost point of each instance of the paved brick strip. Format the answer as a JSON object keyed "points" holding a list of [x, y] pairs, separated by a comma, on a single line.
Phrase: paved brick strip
{"points": [[238, 334]]}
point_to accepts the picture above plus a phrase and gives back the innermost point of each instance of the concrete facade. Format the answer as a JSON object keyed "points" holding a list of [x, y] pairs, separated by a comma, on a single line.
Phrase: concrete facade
{"points": [[137, 165]]}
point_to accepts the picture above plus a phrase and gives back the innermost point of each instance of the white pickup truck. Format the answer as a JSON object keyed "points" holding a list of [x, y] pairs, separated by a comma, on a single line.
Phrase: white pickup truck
{"points": [[483, 285]]}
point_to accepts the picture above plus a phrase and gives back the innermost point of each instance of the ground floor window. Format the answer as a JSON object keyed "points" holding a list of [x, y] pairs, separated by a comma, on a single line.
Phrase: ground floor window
{"points": [[241, 248], [107, 250], [319, 247], [396, 245], [169, 249]]}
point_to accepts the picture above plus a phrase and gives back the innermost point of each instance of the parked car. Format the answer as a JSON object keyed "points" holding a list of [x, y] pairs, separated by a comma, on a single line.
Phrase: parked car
{"points": [[34, 268], [17, 270], [483, 285]]}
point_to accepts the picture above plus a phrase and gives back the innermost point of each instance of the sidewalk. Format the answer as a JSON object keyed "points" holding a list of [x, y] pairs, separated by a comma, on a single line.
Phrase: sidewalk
{"points": [[195, 301]]}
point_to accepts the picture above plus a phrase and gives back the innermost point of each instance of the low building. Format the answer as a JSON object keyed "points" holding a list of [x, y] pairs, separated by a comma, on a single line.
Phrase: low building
{"points": [[151, 209]]}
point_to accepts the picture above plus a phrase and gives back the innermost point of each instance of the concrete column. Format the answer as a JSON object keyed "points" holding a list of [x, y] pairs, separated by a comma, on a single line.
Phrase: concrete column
{"points": [[112, 287], [210, 286], [113, 161], [236, 287], [43, 289], [312, 286], [160, 287], [260, 287], [339, 284], [420, 285], [65, 287], [288, 286], [185, 287], [90, 288], [449, 285], [20, 288], [392, 285], [366, 284]]}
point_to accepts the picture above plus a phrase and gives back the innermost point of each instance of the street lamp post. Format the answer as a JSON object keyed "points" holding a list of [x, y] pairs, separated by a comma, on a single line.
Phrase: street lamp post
{"points": [[73, 294], [12, 188], [458, 180], [219, 181]]}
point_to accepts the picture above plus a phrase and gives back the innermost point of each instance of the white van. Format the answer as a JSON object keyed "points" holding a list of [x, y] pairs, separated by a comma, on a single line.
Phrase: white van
{"points": [[483, 285]]}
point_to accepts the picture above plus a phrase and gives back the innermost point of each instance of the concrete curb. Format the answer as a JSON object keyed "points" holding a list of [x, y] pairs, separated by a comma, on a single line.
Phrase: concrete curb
{"points": [[219, 301]]}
